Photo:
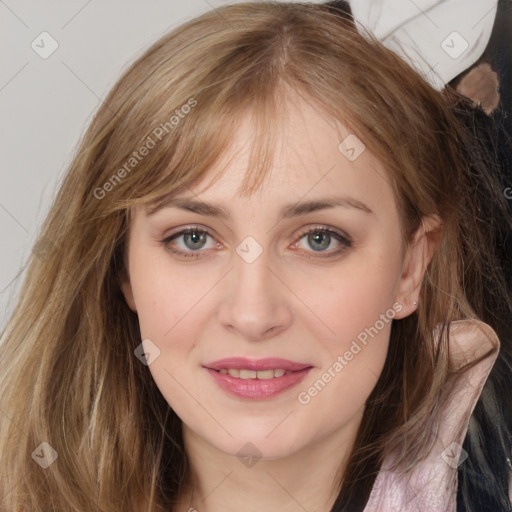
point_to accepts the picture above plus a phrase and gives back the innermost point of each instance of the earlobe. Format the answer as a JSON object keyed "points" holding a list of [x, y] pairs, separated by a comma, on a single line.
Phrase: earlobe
{"points": [[124, 279], [126, 288], [418, 255]]}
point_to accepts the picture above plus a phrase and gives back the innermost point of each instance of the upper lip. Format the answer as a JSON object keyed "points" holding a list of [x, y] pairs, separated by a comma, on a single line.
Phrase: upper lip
{"points": [[270, 363]]}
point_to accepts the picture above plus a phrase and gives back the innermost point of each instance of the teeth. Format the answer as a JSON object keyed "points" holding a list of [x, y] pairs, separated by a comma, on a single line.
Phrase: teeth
{"points": [[265, 374], [253, 374], [247, 374]]}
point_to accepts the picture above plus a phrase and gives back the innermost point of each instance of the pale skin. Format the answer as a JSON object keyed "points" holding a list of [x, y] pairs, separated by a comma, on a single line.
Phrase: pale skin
{"points": [[290, 302]]}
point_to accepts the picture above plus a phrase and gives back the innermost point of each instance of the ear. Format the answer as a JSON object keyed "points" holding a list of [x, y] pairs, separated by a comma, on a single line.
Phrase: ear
{"points": [[417, 257], [124, 274], [126, 288]]}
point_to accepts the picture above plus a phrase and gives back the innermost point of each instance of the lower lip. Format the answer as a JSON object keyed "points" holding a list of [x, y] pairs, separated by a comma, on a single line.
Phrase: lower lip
{"points": [[257, 389]]}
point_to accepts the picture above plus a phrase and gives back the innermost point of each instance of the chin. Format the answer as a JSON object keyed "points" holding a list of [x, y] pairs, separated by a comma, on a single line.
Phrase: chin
{"points": [[257, 441]]}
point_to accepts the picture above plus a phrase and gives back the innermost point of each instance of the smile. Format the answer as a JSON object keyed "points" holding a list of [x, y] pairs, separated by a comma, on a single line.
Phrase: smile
{"points": [[253, 374], [256, 379]]}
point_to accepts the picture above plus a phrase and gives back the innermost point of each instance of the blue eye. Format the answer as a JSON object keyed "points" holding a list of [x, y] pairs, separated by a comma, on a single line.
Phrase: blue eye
{"points": [[196, 239], [320, 238], [193, 240], [189, 242]]}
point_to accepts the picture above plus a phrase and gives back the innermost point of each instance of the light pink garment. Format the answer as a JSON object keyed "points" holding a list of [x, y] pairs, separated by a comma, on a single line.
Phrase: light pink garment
{"points": [[432, 484]]}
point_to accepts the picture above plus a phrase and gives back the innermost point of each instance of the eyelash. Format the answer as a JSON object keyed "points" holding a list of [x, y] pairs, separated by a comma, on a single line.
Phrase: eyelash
{"points": [[340, 237]]}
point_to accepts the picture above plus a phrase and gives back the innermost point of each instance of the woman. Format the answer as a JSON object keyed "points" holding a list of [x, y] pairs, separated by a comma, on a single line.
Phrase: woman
{"points": [[262, 284]]}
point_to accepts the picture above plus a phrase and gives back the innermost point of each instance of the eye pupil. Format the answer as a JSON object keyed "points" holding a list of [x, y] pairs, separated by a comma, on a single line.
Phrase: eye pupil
{"points": [[321, 238]]}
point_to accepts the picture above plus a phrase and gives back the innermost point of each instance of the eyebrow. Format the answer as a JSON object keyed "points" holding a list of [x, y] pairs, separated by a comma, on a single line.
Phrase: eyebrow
{"points": [[288, 211]]}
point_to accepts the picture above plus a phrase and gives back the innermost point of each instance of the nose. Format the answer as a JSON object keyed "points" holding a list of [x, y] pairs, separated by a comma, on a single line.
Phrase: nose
{"points": [[255, 302]]}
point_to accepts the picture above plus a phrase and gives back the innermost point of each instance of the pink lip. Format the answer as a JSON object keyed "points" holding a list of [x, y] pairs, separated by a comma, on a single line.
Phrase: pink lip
{"points": [[270, 363], [256, 389]]}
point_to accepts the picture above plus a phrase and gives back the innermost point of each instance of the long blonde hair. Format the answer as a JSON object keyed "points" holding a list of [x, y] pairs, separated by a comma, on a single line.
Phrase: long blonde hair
{"points": [[68, 374]]}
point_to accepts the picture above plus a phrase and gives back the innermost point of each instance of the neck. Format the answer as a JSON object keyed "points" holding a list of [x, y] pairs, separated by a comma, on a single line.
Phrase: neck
{"points": [[308, 479]]}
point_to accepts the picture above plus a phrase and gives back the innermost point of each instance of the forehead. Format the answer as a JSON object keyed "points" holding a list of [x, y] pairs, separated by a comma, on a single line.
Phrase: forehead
{"points": [[311, 153], [310, 164]]}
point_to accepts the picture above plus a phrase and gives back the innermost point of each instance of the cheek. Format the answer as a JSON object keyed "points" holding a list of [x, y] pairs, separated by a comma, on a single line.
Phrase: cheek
{"points": [[165, 297], [351, 296], [357, 317], [358, 306], [351, 363], [170, 315]]}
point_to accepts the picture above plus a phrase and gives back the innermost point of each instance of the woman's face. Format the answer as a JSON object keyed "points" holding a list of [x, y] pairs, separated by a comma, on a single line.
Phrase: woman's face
{"points": [[224, 314]]}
